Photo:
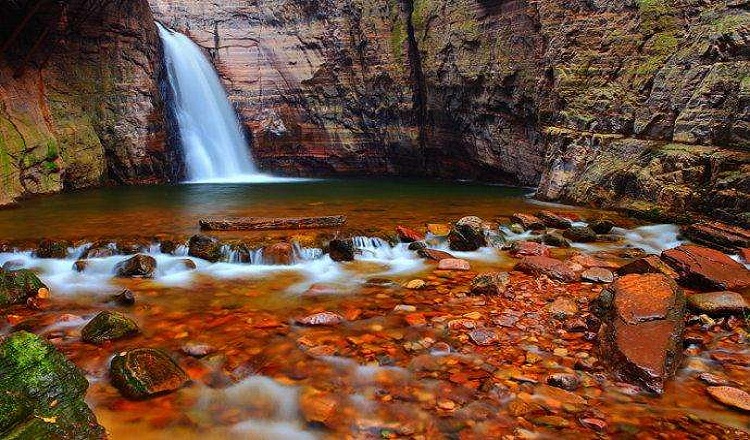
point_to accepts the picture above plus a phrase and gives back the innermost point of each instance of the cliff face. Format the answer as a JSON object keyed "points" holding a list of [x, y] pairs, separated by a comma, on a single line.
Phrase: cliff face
{"points": [[637, 104], [79, 98], [640, 104]]}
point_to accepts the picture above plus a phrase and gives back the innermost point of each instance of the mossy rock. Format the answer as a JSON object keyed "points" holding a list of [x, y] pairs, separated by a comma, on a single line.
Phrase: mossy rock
{"points": [[145, 372], [108, 326], [204, 247], [52, 249], [18, 285], [41, 393]]}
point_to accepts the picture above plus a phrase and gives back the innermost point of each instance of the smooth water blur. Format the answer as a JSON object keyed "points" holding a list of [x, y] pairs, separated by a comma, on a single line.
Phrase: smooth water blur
{"points": [[175, 209], [212, 139]]}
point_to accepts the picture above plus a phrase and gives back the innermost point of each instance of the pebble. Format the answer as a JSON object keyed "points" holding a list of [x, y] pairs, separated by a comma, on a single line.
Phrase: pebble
{"points": [[415, 284], [483, 337]]}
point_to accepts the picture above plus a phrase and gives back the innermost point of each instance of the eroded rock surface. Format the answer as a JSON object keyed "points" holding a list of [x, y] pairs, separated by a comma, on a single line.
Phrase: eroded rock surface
{"points": [[641, 332], [705, 268]]}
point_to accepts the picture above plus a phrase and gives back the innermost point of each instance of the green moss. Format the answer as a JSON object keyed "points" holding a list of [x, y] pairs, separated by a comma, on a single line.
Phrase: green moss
{"points": [[41, 394]]}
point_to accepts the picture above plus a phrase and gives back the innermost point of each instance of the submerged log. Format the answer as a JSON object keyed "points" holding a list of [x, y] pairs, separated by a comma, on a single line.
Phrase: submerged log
{"points": [[264, 223]]}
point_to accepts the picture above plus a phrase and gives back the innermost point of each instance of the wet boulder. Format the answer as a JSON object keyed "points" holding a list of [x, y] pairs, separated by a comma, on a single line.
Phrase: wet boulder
{"points": [[602, 226], [168, 247], [707, 269], [648, 264], [553, 220], [580, 234], [555, 239], [717, 235], [205, 248], [417, 245], [124, 298], [108, 326], [52, 248], [407, 235], [433, 254], [527, 222], [99, 249], [494, 283], [137, 266], [718, 303], [16, 286], [145, 372], [528, 249], [80, 265], [467, 234], [550, 267], [640, 338], [341, 249], [42, 392], [278, 253], [132, 246]]}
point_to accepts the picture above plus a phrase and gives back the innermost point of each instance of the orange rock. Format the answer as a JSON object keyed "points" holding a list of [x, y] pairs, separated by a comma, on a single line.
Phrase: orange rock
{"points": [[648, 264], [415, 319], [527, 221], [552, 268], [278, 253], [705, 268], [407, 235]]}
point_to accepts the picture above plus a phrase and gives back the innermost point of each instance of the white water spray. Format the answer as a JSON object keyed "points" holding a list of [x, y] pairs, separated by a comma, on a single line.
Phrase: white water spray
{"points": [[214, 146]]}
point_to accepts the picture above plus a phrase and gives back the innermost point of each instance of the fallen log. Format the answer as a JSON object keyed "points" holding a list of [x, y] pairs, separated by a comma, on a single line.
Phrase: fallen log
{"points": [[266, 223]]}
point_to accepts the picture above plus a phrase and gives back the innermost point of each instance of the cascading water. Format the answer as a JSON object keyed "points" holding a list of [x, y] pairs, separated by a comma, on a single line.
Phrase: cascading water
{"points": [[214, 146]]}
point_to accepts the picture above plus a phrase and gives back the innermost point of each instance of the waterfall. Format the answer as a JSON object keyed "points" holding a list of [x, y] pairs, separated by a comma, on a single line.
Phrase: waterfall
{"points": [[213, 144]]}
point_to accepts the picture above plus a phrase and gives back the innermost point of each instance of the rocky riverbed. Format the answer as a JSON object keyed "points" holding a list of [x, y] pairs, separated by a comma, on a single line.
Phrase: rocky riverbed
{"points": [[529, 326]]}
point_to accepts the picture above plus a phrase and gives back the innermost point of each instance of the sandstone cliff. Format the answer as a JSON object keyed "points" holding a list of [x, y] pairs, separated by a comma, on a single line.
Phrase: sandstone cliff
{"points": [[79, 98], [637, 104]]}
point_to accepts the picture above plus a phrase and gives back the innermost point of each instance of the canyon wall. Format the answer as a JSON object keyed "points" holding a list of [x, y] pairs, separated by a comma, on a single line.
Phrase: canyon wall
{"points": [[641, 105], [79, 97], [638, 104]]}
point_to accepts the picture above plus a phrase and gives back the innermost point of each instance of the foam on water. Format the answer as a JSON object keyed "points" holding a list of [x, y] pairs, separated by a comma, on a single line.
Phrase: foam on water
{"points": [[653, 238]]}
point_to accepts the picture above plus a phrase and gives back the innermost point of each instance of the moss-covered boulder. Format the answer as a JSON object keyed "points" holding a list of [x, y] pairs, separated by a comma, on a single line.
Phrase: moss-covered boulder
{"points": [[18, 285], [52, 248], [108, 326], [145, 372], [41, 393]]}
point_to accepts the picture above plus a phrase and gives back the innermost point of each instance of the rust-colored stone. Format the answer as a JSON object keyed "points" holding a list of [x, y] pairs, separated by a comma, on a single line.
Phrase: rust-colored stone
{"points": [[705, 268], [528, 249], [552, 268], [408, 235]]}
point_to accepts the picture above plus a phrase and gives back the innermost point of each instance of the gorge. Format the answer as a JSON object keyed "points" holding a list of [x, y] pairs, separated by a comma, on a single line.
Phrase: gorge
{"points": [[651, 93], [386, 219]]}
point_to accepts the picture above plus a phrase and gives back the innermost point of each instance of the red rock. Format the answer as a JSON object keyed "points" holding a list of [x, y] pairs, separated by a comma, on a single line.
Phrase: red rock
{"points": [[717, 235], [407, 235], [528, 249], [433, 254], [744, 254], [527, 221], [553, 220], [588, 261], [322, 318], [648, 264], [278, 253], [705, 268], [453, 264], [593, 424], [641, 332], [552, 268]]}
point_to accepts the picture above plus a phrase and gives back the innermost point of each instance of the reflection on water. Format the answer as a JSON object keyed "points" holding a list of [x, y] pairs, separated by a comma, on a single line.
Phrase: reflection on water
{"points": [[128, 211]]}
